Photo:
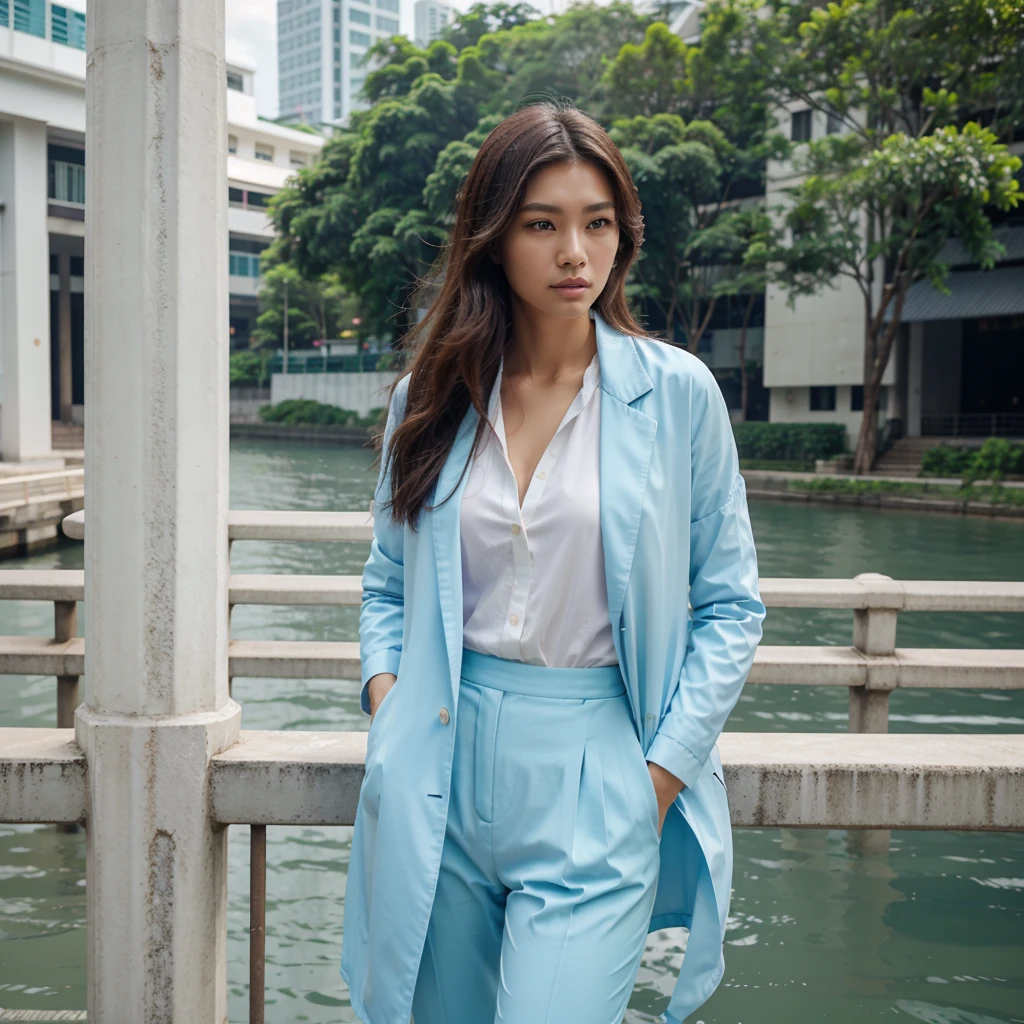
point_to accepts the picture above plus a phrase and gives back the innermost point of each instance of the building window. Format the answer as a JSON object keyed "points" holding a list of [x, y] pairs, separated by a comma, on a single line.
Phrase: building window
{"points": [[243, 264], [30, 17], [67, 182], [232, 143], [358, 38], [857, 398], [834, 121], [800, 126], [258, 199], [298, 159], [67, 27], [264, 152], [386, 24], [236, 82], [388, 5], [358, 16], [823, 399]]}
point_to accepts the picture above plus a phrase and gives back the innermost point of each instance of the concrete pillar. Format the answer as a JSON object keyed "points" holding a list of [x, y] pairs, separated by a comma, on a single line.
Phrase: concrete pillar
{"points": [[915, 364], [874, 634], [64, 334], [156, 567], [24, 293]]}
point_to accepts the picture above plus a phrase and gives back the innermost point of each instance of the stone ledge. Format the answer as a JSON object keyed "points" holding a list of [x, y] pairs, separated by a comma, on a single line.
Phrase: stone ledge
{"points": [[792, 780]]}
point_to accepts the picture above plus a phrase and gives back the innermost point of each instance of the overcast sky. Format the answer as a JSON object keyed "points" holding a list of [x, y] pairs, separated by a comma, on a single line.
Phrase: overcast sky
{"points": [[251, 28]]}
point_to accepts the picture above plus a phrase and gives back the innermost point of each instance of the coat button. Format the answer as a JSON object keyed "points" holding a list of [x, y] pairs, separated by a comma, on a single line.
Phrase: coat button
{"points": [[443, 715]]}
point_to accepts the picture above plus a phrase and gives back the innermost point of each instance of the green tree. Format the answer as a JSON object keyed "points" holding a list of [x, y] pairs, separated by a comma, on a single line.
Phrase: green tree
{"points": [[909, 168], [748, 281], [401, 64], [650, 77], [359, 212], [482, 19], [564, 57], [695, 238], [318, 308]]}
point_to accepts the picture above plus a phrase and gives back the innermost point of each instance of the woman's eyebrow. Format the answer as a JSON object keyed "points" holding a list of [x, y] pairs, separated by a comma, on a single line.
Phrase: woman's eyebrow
{"points": [[548, 208]]}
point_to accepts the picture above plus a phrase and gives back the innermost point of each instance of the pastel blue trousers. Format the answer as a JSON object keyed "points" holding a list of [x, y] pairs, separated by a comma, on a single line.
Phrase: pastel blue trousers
{"points": [[551, 852]]}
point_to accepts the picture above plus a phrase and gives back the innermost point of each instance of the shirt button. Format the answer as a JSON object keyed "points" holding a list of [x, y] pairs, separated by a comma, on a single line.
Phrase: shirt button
{"points": [[444, 716], [514, 619], [515, 527], [541, 476]]}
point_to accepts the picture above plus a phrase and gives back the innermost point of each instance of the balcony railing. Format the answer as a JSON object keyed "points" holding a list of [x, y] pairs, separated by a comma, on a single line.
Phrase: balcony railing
{"points": [[864, 780], [317, 362], [974, 424]]}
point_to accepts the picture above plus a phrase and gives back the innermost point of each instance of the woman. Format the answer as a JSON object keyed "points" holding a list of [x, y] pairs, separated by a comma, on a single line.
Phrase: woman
{"points": [[542, 784]]}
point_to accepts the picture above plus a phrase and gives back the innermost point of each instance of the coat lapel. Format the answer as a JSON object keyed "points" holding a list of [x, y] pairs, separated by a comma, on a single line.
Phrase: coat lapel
{"points": [[627, 441], [445, 523]]}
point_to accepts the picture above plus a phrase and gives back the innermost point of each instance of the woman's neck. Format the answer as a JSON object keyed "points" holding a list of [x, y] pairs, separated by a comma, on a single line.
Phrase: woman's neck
{"points": [[546, 348]]}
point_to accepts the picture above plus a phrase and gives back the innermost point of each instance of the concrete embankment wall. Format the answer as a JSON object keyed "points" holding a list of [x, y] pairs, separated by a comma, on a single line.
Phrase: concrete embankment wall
{"points": [[360, 392], [784, 486]]}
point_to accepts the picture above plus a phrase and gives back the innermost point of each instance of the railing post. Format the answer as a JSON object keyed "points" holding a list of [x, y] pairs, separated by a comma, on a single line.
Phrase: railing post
{"points": [[257, 922], [156, 707], [65, 627], [874, 635]]}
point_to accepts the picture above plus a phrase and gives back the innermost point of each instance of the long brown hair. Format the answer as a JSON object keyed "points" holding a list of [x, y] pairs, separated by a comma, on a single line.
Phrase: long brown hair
{"points": [[468, 326]]}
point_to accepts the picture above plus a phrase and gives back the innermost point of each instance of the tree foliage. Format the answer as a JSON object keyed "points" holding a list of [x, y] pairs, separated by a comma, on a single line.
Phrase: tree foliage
{"points": [[317, 308], [910, 167]]}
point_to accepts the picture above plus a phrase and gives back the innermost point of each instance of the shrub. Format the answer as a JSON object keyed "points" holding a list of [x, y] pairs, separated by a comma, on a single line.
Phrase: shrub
{"points": [[391, 361], [803, 442], [994, 460], [248, 369], [306, 411], [945, 460]]}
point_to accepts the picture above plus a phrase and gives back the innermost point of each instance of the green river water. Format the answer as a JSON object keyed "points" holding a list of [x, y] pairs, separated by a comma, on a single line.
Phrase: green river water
{"points": [[934, 932]]}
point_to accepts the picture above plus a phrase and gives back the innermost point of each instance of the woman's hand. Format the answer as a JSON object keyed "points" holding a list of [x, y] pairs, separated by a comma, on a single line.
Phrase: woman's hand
{"points": [[377, 690], [667, 788]]}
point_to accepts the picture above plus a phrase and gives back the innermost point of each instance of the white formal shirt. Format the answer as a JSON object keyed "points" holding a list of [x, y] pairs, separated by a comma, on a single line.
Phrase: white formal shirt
{"points": [[533, 583]]}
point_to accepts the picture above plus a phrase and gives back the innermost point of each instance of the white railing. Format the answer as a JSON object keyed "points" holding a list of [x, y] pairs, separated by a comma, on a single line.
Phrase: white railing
{"points": [[18, 492]]}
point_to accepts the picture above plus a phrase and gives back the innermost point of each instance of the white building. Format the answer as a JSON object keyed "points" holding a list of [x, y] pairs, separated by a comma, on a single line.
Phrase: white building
{"points": [[957, 367], [431, 19], [262, 156], [321, 55], [43, 163]]}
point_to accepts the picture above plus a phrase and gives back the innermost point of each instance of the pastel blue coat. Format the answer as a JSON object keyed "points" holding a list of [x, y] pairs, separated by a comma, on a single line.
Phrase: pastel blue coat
{"points": [[683, 595]]}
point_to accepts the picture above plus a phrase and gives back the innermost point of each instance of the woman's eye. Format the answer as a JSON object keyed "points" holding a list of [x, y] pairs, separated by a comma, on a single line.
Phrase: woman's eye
{"points": [[546, 225]]}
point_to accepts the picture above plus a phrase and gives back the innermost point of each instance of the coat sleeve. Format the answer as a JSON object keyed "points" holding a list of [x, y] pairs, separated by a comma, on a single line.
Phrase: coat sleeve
{"points": [[382, 613], [727, 612]]}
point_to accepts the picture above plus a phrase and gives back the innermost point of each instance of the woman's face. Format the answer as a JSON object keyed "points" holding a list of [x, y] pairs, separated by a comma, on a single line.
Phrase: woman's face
{"points": [[558, 251]]}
